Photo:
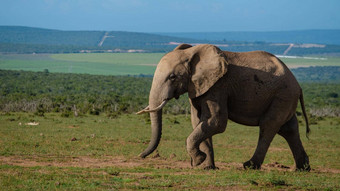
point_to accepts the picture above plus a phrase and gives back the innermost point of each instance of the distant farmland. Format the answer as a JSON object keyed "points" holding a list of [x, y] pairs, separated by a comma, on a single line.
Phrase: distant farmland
{"points": [[94, 63], [115, 63]]}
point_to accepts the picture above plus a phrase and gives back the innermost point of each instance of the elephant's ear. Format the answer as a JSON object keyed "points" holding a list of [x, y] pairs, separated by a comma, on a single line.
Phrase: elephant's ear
{"points": [[207, 66], [182, 47]]}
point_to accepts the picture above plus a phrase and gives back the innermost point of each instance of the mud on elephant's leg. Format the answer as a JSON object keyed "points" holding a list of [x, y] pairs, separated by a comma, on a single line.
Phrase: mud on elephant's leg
{"points": [[290, 131]]}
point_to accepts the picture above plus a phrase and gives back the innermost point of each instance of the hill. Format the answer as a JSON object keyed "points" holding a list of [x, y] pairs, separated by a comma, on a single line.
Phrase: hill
{"points": [[31, 35], [17, 39], [20, 39], [331, 37]]}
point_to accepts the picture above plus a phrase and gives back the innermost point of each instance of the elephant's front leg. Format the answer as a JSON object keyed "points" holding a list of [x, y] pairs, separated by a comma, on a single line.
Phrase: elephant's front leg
{"points": [[211, 121], [206, 146], [193, 143]]}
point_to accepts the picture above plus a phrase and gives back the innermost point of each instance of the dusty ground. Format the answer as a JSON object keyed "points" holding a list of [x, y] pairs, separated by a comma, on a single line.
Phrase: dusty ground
{"points": [[109, 161]]}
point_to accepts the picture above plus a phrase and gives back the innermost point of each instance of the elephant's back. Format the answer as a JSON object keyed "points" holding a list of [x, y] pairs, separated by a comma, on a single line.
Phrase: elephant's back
{"points": [[259, 68], [258, 60], [254, 79]]}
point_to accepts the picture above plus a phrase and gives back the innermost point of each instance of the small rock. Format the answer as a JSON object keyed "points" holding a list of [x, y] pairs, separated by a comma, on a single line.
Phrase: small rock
{"points": [[172, 156], [74, 139], [41, 134], [32, 123], [156, 155], [253, 182]]}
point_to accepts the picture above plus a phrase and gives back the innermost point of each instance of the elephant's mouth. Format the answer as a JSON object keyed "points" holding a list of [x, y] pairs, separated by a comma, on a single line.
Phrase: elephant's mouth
{"points": [[176, 95]]}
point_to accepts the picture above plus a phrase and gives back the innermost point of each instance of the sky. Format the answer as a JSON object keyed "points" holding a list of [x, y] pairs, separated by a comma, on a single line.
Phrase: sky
{"points": [[172, 15]]}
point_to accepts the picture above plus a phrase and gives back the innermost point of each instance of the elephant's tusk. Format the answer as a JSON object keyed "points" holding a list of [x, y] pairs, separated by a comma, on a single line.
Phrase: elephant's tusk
{"points": [[159, 107], [147, 110]]}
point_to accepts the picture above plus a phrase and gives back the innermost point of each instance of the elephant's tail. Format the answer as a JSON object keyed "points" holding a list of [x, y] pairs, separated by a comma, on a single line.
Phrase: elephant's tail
{"points": [[304, 114]]}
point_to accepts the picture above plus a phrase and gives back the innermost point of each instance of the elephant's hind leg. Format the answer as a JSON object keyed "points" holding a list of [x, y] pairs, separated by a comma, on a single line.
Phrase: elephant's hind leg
{"points": [[265, 138], [270, 124], [290, 131]]}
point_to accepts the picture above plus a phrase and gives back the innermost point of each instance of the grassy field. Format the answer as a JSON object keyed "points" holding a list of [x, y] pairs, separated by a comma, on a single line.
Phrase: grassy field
{"points": [[95, 153], [113, 63], [94, 63]]}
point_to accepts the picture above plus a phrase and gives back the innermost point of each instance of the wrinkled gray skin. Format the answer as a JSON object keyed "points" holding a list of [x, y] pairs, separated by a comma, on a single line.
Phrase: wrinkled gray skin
{"points": [[252, 88]]}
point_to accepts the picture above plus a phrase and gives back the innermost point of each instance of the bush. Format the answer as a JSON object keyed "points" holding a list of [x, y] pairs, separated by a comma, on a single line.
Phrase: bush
{"points": [[66, 114]]}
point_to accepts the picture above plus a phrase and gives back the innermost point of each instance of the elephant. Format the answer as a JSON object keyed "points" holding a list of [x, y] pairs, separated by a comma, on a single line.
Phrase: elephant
{"points": [[250, 88]]}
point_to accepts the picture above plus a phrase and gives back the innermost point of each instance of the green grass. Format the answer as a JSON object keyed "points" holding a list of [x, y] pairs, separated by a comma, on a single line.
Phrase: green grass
{"points": [[95, 63], [104, 156], [300, 62], [112, 63]]}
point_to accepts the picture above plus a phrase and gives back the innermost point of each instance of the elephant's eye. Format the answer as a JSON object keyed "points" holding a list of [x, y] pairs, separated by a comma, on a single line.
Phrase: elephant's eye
{"points": [[172, 77]]}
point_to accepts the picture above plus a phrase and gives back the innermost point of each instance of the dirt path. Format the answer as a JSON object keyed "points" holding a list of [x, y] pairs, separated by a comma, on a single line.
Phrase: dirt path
{"points": [[288, 49], [106, 35], [120, 161]]}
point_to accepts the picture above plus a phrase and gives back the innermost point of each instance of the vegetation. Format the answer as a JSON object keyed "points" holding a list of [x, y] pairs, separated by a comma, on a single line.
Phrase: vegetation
{"points": [[326, 74], [46, 92]]}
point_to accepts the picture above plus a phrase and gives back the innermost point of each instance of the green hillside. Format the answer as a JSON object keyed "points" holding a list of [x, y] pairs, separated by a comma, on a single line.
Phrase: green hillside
{"points": [[29, 35], [299, 36], [16, 39]]}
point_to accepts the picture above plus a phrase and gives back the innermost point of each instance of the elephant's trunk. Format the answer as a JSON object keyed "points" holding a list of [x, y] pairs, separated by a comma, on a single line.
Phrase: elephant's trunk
{"points": [[157, 100], [156, 133], [155, 109]]}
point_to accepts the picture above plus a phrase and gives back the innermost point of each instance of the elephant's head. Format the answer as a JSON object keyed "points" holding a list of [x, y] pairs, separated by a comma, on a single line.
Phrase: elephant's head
{"points": [[185, 69]]}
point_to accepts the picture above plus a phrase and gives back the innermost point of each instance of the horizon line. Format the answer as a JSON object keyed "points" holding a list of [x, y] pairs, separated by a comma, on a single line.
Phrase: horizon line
{"points": [[99, 30]]}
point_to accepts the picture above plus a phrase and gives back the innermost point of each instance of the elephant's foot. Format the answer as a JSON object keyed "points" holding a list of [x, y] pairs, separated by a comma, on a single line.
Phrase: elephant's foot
{"points": [[211, 167], [209, 164], [251, 165], [305, 167], [302, 164], [198, 158]]}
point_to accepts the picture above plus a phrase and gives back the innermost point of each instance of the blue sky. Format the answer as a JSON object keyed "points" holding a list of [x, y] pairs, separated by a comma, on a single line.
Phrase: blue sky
{"points": [[172, 15]]}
